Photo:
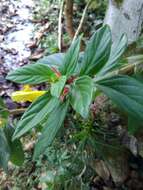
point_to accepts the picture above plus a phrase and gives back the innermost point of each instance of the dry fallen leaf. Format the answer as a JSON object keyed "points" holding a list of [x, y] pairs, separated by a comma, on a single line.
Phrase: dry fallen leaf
{"points": [[37, 54]]}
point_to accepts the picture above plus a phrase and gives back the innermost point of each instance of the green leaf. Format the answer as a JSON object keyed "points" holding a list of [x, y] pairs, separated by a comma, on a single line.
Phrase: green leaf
{"points": [[126, 92], [70, 61], [54, 60], [35, 114], [16, 150], [135, 59], [4, 151], [4, 113], [97, 52], [138, 76], [134, 126], [51, 127], [81, 95], [117, 50], [56, 88], [32, 74], [2, 105]]}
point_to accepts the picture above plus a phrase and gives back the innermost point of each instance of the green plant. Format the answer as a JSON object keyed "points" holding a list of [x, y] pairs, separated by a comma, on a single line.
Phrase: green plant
{"points": [[9, 150], [74, 81]]}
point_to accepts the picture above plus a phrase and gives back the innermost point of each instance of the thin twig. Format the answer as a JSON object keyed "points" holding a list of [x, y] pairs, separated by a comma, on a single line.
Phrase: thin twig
{"points": [[82, 172], [81, 21], [60, 26]]}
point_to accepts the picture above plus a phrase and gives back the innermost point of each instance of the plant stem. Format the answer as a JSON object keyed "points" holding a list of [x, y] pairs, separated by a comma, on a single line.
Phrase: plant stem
{"points": [[81, 21], [126, 70], [69, 17], [60, 27]]}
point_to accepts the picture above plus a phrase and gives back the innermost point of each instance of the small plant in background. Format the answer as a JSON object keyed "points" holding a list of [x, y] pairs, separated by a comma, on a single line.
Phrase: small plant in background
{"points": [[9, 150], [74, 80]]}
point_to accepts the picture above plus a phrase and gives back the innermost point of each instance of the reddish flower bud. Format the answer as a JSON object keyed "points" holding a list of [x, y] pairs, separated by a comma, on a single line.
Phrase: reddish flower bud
{"points": [[66, 90], [64, 93], [71, 79]]}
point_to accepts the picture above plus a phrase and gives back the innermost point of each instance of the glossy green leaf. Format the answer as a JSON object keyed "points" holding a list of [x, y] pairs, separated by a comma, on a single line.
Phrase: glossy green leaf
{"points": [[97, 52], [32, 74], [134, 126], [16, 150], [51, 127], [54, 60], [35, 114], [81, 95], [4, 151], [126, 92], [138, 76], [70, 61], [57, 87], [117, 50]]}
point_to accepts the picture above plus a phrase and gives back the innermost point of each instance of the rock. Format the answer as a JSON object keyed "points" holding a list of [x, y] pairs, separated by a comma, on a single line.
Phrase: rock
{"points": [[118, 167], [101, 169], [128, 140], [134, 174], [134, 184], [107, 188], [97, 184], [141, 149]]}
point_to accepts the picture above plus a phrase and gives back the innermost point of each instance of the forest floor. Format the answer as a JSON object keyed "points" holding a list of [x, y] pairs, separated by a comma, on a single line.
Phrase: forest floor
{"points": [[22, 39]]}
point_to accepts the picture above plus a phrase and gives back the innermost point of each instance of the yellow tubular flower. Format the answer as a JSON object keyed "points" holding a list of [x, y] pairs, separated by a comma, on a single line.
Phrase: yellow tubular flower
{"points": [[27, 94]]}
